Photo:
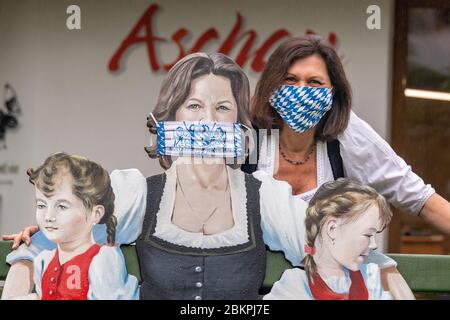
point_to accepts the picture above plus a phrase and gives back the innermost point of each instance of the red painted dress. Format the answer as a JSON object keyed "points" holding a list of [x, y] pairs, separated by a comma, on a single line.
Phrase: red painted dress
{"points": [[358, 289], [364, 284], [69, 281]]}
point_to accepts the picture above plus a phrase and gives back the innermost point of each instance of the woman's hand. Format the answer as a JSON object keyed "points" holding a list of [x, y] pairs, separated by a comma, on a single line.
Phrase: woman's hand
{"points": [[436, 211], [24, 235]]}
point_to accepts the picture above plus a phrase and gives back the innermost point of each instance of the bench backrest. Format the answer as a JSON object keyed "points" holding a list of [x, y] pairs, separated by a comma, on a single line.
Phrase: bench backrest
{"points": [[5, 248], [423, 273]]}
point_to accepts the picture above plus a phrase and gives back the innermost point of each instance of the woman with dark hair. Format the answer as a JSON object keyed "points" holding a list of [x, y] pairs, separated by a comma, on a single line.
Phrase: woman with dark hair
{"points": [[304, 93], [304, 62], [304, 99]]}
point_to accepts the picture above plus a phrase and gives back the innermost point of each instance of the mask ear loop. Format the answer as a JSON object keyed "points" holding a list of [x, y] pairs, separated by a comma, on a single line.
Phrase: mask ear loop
{"points": [[153, 117], [152, 144]]}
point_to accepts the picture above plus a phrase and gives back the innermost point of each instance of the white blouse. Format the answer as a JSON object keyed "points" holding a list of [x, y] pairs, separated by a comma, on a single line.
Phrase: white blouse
{"points": [[108, 276], [366, 158], [294, 285]]}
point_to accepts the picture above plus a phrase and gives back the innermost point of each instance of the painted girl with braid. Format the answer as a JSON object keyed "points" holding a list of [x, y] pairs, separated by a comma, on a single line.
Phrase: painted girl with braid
{"points": [[74, 194], [341, 222]]}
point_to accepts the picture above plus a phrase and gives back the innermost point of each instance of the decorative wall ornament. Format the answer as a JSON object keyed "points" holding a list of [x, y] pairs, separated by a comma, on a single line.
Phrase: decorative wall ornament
{"points": [[8, 118]]}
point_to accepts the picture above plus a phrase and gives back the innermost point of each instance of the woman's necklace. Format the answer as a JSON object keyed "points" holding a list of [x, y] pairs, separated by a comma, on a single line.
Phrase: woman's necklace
{"points": [[295, 162], [210, 215]]}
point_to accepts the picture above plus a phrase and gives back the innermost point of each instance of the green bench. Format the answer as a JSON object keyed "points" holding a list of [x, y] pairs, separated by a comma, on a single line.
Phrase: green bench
{"points": [[427, 275]]}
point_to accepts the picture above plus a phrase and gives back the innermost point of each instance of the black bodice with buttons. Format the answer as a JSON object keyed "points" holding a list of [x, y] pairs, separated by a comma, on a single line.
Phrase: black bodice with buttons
{"points": [[171, 271]]}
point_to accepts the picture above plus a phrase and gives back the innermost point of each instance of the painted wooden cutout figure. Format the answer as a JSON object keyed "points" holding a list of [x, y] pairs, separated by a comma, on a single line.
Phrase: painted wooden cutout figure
{"points": [[201, 228], [341, 222], [74, 194]]}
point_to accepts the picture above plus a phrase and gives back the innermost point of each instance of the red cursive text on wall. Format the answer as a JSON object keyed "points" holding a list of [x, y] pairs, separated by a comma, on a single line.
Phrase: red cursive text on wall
{"points": [[144, 26]]}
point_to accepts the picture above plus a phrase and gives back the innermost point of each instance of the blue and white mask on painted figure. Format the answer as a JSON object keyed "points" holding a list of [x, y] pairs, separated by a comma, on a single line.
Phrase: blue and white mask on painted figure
{"points": [[204, 139], [301, 107]]}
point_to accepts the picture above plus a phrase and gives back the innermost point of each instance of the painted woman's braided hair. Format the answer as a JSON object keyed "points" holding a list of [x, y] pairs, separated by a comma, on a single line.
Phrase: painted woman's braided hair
{"points": [[91, 184], [343, 198]]}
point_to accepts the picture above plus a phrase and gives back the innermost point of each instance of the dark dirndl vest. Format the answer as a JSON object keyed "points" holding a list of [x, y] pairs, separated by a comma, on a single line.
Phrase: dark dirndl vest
{"points": [[171, 271]]}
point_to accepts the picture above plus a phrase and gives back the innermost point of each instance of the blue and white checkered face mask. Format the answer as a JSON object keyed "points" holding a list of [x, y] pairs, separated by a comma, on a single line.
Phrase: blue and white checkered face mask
{"points": [[200, 139], [301, 107]]}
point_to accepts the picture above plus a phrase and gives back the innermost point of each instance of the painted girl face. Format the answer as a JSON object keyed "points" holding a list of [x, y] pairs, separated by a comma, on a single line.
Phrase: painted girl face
{"points": [[308, 72], [210, 99], [353, 239], [62, 216]]}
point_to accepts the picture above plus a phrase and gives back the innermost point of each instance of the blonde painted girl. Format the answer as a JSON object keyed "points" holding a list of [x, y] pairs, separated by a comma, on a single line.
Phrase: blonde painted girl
{"points": [[74, 194], [341, 222]]}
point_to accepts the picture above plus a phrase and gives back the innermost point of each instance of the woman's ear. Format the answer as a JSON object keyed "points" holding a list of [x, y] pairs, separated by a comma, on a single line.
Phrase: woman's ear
{"points": [[331, 228], [98, 212]]}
